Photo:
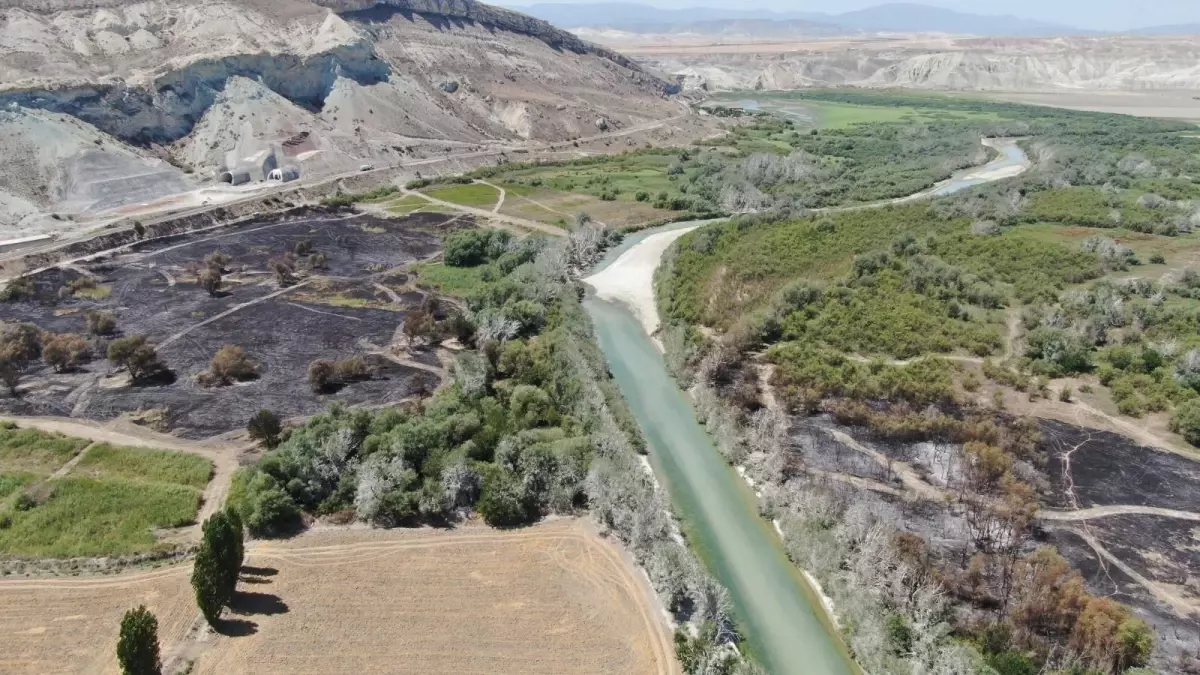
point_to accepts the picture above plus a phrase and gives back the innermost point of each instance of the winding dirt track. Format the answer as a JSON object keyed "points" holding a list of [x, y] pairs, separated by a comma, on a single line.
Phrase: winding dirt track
{"points": [[552, 598]]}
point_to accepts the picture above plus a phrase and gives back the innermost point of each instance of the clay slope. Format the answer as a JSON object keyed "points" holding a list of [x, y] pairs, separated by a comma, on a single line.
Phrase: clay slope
{"points": [[321, 85]]}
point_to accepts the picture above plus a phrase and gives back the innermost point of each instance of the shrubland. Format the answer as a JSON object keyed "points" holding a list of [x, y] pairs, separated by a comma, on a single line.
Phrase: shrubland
{"points": [[878, 319]]}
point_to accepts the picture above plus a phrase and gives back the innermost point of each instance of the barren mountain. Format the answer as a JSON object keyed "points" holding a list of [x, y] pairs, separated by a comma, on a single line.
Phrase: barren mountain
{"points": [[982, 64], [322, 86]]}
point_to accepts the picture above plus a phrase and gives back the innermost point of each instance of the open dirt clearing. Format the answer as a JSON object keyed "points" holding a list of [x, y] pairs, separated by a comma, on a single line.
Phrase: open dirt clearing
{"points": [[553, 598]]}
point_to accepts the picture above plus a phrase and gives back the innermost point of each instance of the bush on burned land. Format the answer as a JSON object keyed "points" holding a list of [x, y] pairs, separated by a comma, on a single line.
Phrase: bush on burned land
{"points": [[137, 356], [100, 322], [266, 427], [64, 352]]}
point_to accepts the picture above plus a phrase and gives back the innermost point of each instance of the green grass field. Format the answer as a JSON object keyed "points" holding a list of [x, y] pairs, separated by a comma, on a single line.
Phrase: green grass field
{"points": [[109, 504], [37, 452], [474, 195], [459, 281], [86, 517], [155, 466]]}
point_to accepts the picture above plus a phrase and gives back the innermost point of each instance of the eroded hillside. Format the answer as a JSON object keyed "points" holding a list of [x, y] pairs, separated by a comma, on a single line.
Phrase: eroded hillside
{"points": [[321, 86]]}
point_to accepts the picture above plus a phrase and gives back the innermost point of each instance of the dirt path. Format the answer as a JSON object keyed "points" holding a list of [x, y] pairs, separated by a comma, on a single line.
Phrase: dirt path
{"points": [[1118, 425], [233, 310], [66, 468], [1117, 510], [119, 432], [499, 201]]}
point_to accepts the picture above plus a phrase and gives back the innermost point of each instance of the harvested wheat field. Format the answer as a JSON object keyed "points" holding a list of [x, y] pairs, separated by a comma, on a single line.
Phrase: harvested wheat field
{"points": [[70, 625], [554, 598]]}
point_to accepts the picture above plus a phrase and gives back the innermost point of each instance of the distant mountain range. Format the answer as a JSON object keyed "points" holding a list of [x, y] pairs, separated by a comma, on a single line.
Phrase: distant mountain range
{"points": [[893, 17]]}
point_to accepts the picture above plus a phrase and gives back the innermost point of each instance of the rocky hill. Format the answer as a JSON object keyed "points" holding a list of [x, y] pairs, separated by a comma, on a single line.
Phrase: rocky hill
{"points": [[324, 85]]}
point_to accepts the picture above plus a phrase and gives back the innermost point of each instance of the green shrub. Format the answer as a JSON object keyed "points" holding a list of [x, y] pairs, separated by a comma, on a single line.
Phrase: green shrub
{"points": [[469, 248], [1186, 421]]}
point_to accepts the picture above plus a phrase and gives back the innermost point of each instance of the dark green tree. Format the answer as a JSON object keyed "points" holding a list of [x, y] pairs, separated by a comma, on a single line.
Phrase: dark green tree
{"points": [[223, 536], [137, 648], [218, 563], [265, 427], [209, 582]]}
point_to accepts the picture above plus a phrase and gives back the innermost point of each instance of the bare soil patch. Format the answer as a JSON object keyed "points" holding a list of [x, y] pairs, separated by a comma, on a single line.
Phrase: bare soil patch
{"points": [[553, 598]]}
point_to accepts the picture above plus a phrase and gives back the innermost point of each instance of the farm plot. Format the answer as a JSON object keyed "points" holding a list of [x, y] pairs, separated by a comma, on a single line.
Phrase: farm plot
{"points": [[63, 497], [554, 207], [554, 598], [335, 308]]}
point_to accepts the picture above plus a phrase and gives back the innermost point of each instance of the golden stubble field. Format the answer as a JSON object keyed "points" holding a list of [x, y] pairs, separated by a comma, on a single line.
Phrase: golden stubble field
{"points": [[554, 598]]}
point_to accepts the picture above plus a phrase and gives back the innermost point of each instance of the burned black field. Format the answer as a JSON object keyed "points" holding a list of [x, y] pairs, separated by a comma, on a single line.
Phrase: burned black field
{"points": [[352, 303], [1088, 468]]}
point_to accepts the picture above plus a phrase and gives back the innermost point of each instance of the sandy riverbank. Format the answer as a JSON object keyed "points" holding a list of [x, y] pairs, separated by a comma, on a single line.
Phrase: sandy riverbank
{"points": [[629, 280]]}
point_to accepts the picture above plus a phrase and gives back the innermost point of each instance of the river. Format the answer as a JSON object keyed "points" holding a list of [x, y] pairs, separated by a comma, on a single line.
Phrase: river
{"points": [[785, 626]]}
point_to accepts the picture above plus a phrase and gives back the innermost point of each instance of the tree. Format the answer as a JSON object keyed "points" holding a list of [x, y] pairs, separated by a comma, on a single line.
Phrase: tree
{"points": [[231, 363], [101, 322], [10, 370], [210, 280], [65, 351], [469, 248], [284, 267], [137, 648], [136, 355], [502, 501], [23, 341], [419, 325], [218, 563], [209, 584], [217, 261], [265, 427], [321, 375], [351, 369], [139, 230]]}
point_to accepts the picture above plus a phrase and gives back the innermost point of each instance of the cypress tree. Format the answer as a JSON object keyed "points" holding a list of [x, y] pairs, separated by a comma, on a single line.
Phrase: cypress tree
{"points": [[137, 648]]}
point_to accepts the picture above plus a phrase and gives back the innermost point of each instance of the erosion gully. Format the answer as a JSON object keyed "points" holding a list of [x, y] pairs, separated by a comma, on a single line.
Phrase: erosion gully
{"points": [[784, 623]]}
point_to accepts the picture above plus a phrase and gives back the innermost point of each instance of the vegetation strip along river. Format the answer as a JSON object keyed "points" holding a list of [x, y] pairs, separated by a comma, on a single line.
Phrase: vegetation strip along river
{"points": [[785, 626]]}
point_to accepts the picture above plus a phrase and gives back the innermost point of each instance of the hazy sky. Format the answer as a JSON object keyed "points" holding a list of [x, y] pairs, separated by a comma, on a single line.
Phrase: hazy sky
{"points": [[1092, 14]]}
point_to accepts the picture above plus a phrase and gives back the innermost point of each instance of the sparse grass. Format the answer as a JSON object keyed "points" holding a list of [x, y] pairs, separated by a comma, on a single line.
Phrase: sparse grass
{"points": [[86, 517], [143, 464], [475, 195], [37, 452], [406, 204], [101, 292]]}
